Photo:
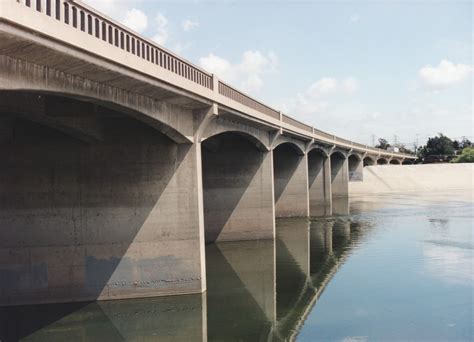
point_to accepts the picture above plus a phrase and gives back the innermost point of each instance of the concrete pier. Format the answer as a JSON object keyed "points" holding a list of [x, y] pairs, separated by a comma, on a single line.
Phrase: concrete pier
{"points": [[290, 172], [114, 219], [238, 190], [339, 175], [319, 183]]}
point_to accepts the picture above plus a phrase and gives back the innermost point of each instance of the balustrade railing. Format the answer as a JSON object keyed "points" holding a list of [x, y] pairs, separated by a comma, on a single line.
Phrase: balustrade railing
{"points": [[246, 100], [81, 17]]}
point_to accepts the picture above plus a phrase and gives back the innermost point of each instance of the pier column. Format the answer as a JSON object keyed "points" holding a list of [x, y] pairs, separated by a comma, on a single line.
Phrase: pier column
{"points": [[339, 175], [290, 170], [238, 189], [118, 218], [319, 183]]}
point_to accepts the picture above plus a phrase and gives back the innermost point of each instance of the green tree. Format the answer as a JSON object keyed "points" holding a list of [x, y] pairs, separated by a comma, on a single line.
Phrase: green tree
{"points": [[383, 144], [440, 145], [466, 156], [460, 145]]}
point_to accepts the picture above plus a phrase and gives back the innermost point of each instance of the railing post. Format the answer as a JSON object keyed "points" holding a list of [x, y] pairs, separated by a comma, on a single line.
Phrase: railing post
{"points": [[215, 83], [52, 8]]}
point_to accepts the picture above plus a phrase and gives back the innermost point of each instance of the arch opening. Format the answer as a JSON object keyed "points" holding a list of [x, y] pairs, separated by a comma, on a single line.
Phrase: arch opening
{"points": [[355, 168], [382, 161], [368, 161], [408, 162], [395, 162], [237, 189], [290, 179]]}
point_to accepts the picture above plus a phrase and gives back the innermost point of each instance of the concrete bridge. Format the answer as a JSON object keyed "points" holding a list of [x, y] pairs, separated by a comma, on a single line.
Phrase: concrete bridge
{"points": [[120, 160]]}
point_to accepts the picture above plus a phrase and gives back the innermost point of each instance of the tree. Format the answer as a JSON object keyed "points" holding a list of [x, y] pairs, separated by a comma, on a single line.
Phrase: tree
{"points": [[383, 144], [438, 146], [460, 145], [466, 156]]}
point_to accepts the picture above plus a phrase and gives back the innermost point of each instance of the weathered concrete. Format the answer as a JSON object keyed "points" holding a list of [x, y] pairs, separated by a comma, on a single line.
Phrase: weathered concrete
{"points": [[290, 172], [238, 189], [339, 175], [117, 218], [319, 183], [410, 178]]}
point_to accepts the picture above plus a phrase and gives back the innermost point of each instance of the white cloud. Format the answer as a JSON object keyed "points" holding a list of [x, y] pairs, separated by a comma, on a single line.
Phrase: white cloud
{"points": [[354, 18], [136, 20], [350, 85], [248, 74], [161, 36], [444, 75], [189, 25], [354, 339], [316, 98]]}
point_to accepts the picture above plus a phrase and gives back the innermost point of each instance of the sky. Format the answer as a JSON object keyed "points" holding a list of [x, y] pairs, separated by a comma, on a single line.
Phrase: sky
{"points": [[363, 70]]}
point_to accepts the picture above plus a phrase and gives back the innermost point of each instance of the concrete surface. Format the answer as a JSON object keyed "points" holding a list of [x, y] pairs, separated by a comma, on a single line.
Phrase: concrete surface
{"points": [[412, 178]]}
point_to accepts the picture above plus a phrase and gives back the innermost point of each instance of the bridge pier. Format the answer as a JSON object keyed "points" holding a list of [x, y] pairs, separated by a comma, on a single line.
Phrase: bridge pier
{"points": [[238, 189], [290, 172], [339, 175], [319, 183], [113, 219]]}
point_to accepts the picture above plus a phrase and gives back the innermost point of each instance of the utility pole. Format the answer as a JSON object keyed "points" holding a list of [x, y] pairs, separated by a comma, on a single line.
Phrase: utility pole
{"points": [[395, 140]]}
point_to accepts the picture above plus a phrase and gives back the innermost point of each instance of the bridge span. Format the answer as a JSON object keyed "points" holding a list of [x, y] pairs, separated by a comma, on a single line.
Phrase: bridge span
{"points": [[120, 160]]}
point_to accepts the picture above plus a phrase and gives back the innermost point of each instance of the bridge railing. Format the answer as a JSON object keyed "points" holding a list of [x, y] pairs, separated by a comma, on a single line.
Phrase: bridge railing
{"points": [[296, 123], [86, 19], [82, 17], [238, 96]]}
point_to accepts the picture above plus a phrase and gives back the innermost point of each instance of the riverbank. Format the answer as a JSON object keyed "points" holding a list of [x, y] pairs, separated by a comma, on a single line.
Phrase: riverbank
{"points": [[383, 179]]}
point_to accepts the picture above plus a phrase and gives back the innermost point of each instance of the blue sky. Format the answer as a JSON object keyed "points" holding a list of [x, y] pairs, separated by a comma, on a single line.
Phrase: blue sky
{"points": [[352, 68]]}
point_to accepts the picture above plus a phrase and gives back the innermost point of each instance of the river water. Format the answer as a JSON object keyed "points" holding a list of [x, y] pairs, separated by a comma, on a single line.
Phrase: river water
{"points": [[394, 267]]}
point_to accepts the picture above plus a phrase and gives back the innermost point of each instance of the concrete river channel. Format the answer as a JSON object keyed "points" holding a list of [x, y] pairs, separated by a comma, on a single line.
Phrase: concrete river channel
{"points": [[387, 267]]}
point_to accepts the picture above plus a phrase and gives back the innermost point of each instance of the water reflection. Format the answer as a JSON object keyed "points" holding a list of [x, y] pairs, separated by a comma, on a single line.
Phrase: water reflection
{"points": [[257, 290], [177, 318]]}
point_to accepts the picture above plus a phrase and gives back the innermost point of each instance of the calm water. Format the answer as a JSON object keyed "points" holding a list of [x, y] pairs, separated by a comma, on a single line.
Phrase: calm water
{"points": [[396, 268]]}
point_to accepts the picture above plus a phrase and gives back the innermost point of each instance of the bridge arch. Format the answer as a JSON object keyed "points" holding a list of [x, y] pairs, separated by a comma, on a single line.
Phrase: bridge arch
{"points": [[382, 161], [395, 162], [408, 162], [33, 104], [297, 146], [160, 114], [323, 151], [369, 161], [218, 125]]}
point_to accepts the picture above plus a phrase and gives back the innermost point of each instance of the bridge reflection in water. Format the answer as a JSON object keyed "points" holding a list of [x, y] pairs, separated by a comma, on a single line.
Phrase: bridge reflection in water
{"points": [[257, 290]]}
